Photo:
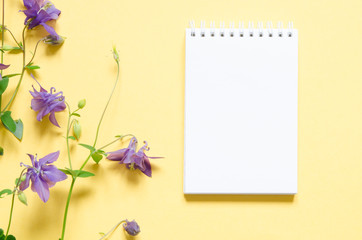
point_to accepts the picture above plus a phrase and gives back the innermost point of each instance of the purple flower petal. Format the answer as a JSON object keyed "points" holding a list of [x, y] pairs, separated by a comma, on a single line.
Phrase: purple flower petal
{"points": [[53, 174], [50, 158], [53, 120], [41, 188], [3, 66], [25, 184], [147, 170]]}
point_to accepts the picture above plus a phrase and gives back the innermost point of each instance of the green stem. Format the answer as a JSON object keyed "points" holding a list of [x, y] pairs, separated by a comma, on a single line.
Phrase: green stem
{"points": [[12, 204], [22, 72], [17, 43], [2, 40], [112, 230], [66, 208], [89, 156], [2, 33], [104, 111], [36, 47], [67, 136], [121, 137]]}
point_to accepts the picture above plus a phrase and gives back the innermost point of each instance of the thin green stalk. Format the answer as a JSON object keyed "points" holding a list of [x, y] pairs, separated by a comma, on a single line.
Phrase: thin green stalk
{"points": [[17, 43], [104, 111], [100, 121], [66, 208], [2, 41], [36, 47], [112, 230], [22, 73], [12, 204], [67, 136], [121, 137], [89, 156], [2, 33]]}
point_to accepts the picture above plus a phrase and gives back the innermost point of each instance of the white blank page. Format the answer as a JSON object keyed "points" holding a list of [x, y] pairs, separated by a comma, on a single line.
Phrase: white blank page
{"points": [[241, 113]]}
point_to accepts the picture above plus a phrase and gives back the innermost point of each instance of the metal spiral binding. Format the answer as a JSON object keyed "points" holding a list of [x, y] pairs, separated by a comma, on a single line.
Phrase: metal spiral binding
{"points": [[241, 31]]}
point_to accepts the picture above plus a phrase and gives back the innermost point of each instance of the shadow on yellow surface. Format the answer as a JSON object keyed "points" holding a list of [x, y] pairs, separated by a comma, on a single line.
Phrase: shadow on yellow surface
{"points": [[238, 198]]}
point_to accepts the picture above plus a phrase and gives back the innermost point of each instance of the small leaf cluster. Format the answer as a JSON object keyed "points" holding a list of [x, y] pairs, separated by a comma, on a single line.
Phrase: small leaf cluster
{"points": [[9, 237]]}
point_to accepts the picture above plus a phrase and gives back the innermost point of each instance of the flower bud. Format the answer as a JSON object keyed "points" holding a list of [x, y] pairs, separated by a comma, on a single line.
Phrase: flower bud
{"points": [[81, 103], [22, 197], [53, 40], [115, 54], [131, 228], [77, 129]]}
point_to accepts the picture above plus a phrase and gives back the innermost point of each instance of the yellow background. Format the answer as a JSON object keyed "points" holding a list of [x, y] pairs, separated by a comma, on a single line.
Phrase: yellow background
{"points": [[148, 102]]}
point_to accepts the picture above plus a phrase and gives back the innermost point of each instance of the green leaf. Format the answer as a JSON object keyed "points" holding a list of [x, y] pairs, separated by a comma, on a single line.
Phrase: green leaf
{"points": [[71, 137], [97, 157], [76, 114], [8, 121], [66, 171], [10, 48], [5, 191], [10, 237], [11, 75], [19, 129], [1, 151], [32, 67], [83, 174], [1, 232], [22, 198], [3, 84], [88, 147]]}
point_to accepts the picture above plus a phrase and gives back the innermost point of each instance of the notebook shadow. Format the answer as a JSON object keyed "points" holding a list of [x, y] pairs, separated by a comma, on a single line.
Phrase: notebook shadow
{"points": [[238, 198]]}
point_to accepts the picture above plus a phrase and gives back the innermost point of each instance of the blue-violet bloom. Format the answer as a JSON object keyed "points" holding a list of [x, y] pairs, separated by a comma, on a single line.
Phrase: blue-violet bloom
{"points": [[38, 12], [46, 103], [131, 228], [42, 175], [132, 159]]}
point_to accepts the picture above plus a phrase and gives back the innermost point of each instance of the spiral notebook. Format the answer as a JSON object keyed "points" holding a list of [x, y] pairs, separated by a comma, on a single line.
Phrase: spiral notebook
{"points": [[241, 104]]}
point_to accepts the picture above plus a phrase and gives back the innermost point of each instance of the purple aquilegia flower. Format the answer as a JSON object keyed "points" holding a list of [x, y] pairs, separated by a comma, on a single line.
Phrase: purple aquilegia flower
{"points": [[38, 12], [42, 175], [46, 103], [131, 228], [132, 159]]}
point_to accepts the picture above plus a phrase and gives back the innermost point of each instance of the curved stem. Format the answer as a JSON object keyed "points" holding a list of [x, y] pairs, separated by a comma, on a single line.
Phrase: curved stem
{"points": [[22, 73], [36, 47], [104, 111], [12, 204], [112, 230], [67, 137], [66, 208], [121, 137], [17, 43]]}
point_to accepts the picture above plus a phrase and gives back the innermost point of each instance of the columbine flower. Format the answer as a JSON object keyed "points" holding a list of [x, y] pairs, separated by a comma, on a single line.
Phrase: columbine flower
{"points": [[38, 12], [46, 103], [42, 175], [131, 228], [132, 159]]}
